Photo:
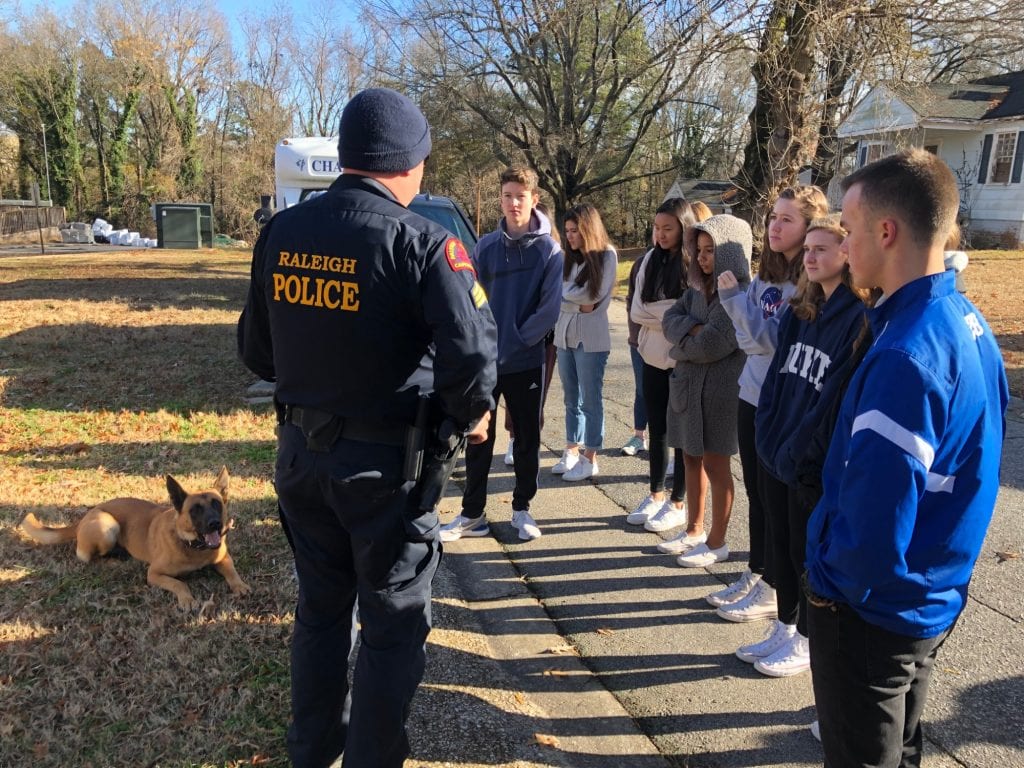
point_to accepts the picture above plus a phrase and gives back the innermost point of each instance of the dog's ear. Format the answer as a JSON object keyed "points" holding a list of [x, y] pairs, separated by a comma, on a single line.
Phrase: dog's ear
{"points": [[221, 484], [178, 494]]}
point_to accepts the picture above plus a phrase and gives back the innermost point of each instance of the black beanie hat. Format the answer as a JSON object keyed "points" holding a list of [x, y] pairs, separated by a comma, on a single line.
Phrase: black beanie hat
{"points": [[382, 131]]}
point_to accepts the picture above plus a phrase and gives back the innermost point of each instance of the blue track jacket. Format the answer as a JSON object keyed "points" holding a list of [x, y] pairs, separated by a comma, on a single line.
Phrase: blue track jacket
{"points": [[912, 474]]}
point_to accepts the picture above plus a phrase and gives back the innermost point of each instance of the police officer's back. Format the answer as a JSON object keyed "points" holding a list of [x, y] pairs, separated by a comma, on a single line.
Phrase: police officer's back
{"points": [[357, 309]]}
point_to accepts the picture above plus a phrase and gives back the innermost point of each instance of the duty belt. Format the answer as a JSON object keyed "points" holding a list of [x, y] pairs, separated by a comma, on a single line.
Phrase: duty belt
{"points": [[323, 429]]}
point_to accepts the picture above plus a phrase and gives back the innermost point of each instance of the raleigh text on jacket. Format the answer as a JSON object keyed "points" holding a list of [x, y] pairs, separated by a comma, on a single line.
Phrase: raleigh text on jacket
{"points": [[316, 291]]}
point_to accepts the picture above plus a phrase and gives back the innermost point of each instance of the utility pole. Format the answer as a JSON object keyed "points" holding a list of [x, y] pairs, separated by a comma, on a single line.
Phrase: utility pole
{"points": [[46, 162]]}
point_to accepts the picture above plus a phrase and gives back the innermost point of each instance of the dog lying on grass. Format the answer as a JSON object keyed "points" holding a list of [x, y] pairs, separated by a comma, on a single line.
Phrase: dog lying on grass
{"points": [[174, 539]]}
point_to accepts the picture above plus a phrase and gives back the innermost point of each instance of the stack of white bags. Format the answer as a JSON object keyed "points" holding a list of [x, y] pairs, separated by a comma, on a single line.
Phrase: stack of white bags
{"points": [[121, 236]]}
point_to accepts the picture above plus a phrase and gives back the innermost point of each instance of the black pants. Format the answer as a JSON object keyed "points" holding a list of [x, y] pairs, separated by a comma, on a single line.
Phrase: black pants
{"points": [[655, 388], [870, 687], [749, 462], [785, 542], [523, 394], [355, 532]]}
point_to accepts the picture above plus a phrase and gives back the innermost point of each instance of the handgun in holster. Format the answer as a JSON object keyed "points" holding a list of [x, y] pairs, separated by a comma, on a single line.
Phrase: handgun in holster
{"points": [[444, 447], [431, 451]]}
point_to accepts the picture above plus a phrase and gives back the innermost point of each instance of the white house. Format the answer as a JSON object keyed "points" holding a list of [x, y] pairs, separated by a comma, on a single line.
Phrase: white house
{"points": [[976, 127]]}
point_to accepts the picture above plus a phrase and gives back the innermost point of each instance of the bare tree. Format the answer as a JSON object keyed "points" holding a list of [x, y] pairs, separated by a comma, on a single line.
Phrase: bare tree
{"points": [[329, 69], [571, 87]]}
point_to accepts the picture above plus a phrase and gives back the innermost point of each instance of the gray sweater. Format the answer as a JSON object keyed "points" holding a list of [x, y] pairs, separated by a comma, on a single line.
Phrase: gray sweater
{"points": [[704, 386], [587, 328]]}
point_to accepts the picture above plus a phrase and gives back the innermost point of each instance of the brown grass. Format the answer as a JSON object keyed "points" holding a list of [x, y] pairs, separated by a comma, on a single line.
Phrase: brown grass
{"points": [[116, 370]]}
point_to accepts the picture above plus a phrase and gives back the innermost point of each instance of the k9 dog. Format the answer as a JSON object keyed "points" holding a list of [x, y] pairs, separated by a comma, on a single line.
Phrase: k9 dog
{"points": [[174, 539]]}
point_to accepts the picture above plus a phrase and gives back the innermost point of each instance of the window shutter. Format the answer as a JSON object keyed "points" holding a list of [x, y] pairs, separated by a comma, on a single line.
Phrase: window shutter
{"points": [[862, 155], [1018, 158], [986, 150]]}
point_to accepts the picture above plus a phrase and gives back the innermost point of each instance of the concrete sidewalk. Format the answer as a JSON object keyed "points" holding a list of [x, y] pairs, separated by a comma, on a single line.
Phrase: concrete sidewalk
{"points": [[591, 641]]}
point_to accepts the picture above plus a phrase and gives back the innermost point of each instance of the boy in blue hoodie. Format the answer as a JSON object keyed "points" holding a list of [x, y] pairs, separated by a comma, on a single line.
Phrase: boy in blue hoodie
{"points": [[520, 267]]}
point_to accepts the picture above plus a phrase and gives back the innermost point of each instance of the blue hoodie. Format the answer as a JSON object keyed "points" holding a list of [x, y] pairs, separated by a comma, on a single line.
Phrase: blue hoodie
{"points": [[523, 280]]}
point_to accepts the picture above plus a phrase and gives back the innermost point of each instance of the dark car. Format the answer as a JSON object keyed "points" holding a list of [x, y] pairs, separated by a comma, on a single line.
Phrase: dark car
{"points": [[449, 214]]}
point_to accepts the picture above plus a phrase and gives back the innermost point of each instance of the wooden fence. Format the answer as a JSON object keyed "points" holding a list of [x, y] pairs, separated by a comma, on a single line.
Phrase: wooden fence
{"points": [[15, 220]]}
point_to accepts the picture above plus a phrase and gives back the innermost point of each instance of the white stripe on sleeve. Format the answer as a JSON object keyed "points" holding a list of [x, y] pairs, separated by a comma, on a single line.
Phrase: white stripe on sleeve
{"points": [[896, 434]]}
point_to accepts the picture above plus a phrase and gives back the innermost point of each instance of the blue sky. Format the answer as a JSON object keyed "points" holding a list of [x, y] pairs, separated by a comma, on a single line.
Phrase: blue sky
{"points": [[343, 10]]}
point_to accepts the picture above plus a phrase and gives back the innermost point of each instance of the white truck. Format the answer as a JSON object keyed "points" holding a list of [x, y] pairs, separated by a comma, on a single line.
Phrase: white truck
{"points": [[305, 166]]}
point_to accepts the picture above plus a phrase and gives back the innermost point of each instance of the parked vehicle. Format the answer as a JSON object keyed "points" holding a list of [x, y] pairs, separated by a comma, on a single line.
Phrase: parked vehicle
{"points": [[305, 167]]}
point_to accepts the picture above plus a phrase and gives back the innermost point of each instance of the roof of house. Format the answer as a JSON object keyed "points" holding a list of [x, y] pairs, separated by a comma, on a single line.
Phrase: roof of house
{"points": [[983, 99]]}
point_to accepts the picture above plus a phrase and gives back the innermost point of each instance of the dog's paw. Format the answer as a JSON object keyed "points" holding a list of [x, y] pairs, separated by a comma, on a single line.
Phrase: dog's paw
{"points": [[241, 588], [188, 603]]}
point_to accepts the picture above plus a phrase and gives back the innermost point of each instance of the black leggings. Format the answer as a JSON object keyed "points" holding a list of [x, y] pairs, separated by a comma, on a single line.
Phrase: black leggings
{"points": [[655, 388], [786, 537], [748, 459]]}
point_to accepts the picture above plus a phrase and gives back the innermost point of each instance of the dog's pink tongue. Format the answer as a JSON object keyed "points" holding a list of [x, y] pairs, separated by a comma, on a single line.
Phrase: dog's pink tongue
{"points": [[212, 539]]}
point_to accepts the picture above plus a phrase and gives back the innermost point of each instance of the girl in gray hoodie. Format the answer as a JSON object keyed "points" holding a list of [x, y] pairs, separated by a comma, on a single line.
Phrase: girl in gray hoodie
{"points": [[704, 386]]}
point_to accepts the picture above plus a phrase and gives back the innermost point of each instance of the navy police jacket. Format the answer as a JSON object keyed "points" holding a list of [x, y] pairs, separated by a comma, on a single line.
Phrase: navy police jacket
{"points": [[357, 306]]}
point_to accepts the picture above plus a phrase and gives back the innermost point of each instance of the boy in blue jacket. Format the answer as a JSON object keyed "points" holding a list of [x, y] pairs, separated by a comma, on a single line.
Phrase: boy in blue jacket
{"points": [[520, 267], [912, 473]]}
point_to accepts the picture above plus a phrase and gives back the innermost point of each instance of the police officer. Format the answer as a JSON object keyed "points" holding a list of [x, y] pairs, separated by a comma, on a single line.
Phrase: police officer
{"points": [[357, 308]]}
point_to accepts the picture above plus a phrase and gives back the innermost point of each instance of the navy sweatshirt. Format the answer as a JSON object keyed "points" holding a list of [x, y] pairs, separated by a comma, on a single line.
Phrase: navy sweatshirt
{"points": [[523, 280], [791, 406]]}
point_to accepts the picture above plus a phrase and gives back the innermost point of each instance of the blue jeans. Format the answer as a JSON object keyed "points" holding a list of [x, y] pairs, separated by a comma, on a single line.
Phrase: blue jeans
{"points": [[582, 375], [639, 404]]}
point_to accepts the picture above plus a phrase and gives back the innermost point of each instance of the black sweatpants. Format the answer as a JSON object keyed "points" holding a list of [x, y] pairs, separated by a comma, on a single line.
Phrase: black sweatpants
{"points": [[748, 460], [523, 393]]}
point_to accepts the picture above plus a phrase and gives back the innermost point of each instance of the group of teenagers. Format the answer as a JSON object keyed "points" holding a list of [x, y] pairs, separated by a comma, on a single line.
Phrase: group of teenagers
{"points": [[726, 362], [703, 336]]}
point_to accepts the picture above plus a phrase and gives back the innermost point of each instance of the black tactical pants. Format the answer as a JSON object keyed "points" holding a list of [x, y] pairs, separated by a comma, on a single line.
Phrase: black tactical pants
{"points": [[356, 536]]}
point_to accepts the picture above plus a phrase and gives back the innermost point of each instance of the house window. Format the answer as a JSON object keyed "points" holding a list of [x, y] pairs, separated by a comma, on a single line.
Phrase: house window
{"points": [[874, 152], [932, 148], [1002, 158]]}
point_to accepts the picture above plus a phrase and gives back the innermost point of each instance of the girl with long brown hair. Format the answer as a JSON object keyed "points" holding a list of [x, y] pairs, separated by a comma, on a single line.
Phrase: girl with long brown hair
{"points": [[661, 280], [583, 338]]}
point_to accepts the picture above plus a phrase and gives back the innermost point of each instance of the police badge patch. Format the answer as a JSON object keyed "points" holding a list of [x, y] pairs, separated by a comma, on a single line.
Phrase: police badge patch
{"points": [[458, 258]]}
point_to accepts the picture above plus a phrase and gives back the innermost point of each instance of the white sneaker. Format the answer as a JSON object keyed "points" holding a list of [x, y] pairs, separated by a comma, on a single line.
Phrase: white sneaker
{"points": [[758, 604], [509, 458], [794, 658], [779, 634], [523, 521], [645, 509], [735, 591], [702, 556], [567, 462], [463, 526], [584, 469], [669, 516], [684, 542]]}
